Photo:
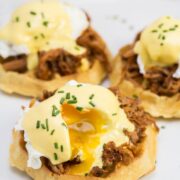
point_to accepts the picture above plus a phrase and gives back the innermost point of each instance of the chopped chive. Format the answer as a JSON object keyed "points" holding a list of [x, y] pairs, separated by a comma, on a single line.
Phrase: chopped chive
{"points": [[86, 174], [154, 31], [171, 29], [60, 91], [114, 114], [91, 97], [43, 126], [28, 24], [63, 124], [42, 35], [33, 13], [62, 100], [74, 97], [163, 127], [92, 104], [72, 102], [17, 19], [47, 125], [163, 37], [68, 95], [79, 108], [52, 132], [62, 148], [176, 26], [35, 37], [55, 111], [79, 85], [161, 25], [38, 124], [56, 146], [45, 23], [165, 31], [77, 48], [161, 44], [55, 156]]}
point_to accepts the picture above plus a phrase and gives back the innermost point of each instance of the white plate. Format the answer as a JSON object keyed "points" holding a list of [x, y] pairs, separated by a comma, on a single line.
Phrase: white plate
{"points": [[117, 21]]}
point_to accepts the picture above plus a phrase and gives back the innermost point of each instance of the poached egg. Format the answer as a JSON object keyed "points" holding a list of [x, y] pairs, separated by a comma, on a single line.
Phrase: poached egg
{"points": [[76, 121], [41, 26], [159, 45]]}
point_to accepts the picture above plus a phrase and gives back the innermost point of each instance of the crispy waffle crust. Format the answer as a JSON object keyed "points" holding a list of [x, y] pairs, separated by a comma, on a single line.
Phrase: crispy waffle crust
{"points": [[157, 106], [27, 84], [137, 167]]}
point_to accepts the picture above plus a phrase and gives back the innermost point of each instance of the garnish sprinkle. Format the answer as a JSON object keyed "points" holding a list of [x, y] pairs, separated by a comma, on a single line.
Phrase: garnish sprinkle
{"points": [[47, 125], [114, 114], [33, 13], [68, 95], [52, 132], [91, 97], [79, 108], [92, 104], [55, 156], [60, 91], [62, 148], [79, 85], [62, 100], [55, 111], [63, 124], [56, 146], [28, 24], [45, 23], [38, 124]]}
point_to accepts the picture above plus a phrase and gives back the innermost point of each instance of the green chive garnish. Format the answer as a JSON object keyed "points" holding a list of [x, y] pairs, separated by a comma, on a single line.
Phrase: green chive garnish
{"points": [[161, 25], [55, 156], [114, 114], [77, 48], [62, 148], [38, 124], [43, 126], [28, 24], [91, 97], [79, 85], [163, 38], [17, 19], [62, 100], [56, 146], [33, 13], [47, 125], [72, 102], [74, 97], [52, 132], [55, 111], [68, 95], [161, 44], [42, 35], [45, 23], [63, 124], [92, 104], [154, 31], [35, 37], [60, 91], [79, 108]]}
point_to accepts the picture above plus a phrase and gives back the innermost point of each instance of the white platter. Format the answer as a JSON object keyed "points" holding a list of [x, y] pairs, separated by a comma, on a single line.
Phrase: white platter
{"points": [[117, 21]]}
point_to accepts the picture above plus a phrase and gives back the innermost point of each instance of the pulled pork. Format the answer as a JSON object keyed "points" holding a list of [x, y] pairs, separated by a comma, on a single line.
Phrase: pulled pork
{"points": [[57, 61], [17, 63], [112, 155], [126, 153], [157, 79]]}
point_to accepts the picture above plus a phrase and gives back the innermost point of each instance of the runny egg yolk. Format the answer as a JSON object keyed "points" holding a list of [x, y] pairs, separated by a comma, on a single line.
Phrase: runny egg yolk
{"points": [[85, 130]]}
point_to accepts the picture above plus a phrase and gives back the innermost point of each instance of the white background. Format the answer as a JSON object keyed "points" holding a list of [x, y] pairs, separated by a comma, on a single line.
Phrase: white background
{"points": [[117, 21]]}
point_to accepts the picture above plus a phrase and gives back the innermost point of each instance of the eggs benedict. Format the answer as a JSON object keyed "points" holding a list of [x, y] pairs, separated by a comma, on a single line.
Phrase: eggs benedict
{"points": [[75, 134], [51, 43], [150, 67]]}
